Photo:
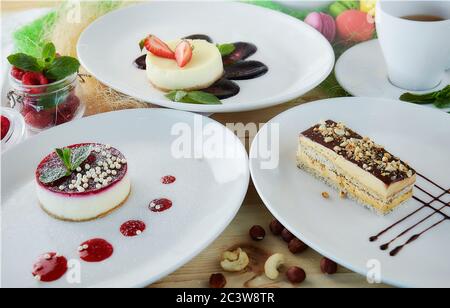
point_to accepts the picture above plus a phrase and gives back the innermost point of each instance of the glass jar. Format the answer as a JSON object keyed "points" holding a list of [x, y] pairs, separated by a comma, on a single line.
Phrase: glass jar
{"points": [[45, 106]]}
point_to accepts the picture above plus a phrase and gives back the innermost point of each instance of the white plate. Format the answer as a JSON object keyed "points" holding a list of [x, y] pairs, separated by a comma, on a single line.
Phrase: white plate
{"points": [[298, 57], [340, 229], [362, 71], [206, 197]]}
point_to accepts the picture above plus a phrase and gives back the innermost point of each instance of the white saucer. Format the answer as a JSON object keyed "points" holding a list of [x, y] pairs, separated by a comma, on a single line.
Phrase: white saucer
{"points": [[362, 71]]}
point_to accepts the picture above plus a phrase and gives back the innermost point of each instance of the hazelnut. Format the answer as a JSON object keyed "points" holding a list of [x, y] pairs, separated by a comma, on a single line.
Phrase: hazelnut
{"points": [[296, 274], [276, 227], [328, 267], [287, 235], [297, 246], [257, 233], [217, 281]]}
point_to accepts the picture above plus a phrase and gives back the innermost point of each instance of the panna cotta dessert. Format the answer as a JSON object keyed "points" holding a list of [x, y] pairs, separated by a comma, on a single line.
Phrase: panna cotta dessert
{"points": [[198, 65], [82, 182]]}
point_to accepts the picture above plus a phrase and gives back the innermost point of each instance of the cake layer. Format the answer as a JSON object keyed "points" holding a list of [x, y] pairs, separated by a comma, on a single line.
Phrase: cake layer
{"points": [[84, 207], [204, 69]]}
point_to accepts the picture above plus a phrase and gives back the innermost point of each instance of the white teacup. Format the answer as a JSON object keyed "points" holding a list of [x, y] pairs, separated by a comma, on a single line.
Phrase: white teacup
{"points": [[417, 53]]}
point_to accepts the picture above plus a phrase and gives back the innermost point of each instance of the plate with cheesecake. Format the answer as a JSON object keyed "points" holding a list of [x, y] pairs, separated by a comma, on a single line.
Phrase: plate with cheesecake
{"points": [[363, 181], [165, 53], [121, 205]]}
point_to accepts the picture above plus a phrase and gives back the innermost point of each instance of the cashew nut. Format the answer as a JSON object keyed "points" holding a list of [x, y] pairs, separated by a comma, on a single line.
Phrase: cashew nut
{"points": [[272, 265], [234, 261]]}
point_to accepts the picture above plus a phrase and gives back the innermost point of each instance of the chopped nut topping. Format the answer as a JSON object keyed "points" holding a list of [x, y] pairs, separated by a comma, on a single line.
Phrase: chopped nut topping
{"points": [[325, 195]]}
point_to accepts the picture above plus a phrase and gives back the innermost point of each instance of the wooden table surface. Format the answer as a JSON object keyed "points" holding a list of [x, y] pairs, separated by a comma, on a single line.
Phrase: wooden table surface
{"points": [[253, 212]]}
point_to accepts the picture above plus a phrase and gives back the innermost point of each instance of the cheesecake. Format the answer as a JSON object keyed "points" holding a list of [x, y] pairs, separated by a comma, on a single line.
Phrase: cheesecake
{"points": [[82, 182], [356, 166], [204, 68]]}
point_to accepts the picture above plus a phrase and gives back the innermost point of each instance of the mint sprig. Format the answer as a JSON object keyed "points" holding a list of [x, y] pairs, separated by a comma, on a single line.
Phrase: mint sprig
{"points": [[226, 49], [193, 97], [441, 99], [53, 67], [71, 159]]}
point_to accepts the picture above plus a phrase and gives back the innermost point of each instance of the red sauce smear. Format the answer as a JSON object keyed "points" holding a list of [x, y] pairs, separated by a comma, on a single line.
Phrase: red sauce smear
{"points": [[49, 267], [160, 205], [168, 179], [132, 228], [5, 126], [95, 250]]}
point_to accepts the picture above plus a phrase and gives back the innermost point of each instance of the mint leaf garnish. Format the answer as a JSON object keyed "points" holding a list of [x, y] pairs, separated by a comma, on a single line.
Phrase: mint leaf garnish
{"points": [[226, 49], [142, 44], [193, 97], [73, 158], [441, 99], [79, 155], [53, 174], [203, 98], [48, 53], [25, 62], [62, 67], [64, 155]]}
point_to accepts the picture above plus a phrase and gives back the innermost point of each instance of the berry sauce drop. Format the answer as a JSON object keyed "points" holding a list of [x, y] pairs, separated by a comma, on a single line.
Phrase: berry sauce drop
{"points": [[95, 250], [49, 267], [132, 228], [160, 205], [168, 179]]}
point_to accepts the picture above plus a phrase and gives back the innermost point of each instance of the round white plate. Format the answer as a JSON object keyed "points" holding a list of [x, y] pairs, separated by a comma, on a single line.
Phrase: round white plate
{"points": [[299, 58], [206, 197], [340, 228], [362, 71]]}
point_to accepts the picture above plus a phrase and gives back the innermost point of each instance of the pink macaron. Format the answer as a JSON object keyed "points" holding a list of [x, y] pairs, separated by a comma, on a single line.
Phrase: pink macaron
{"points": [[323, 23]]}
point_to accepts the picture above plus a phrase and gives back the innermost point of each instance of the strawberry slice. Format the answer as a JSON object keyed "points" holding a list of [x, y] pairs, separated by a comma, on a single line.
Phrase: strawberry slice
{"points": [[157, 47], [183, 53]]}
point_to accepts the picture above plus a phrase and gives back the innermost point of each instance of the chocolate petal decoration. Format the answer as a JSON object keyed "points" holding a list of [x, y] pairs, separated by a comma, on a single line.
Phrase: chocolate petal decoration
{"points": [[140, 62], [199, 37], [243, 70], [223, 88], [242, 51]]}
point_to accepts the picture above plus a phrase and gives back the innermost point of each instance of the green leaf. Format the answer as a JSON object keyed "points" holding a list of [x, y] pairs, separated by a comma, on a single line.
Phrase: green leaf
{"points": [[226, 49], [64, 154], [79, 155], [203, 98], [194, 97], [53, 174], [440, 99], [62, 67], [48, 53], [24, 62], [142, 44]]}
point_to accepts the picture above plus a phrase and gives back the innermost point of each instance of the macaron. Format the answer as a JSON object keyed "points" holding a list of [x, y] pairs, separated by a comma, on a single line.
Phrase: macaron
{"points": [[355, 26], [323, 23]]}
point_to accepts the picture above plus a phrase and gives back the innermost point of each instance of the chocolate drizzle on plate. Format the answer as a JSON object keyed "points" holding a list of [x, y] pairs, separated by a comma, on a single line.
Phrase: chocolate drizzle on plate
{"points": [[236, 67], [425, 205]]}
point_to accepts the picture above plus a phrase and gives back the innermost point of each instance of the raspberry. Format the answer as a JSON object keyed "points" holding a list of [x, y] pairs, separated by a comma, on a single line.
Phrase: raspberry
{"points": [[5, 126], [34, 79], [17, 73]]}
